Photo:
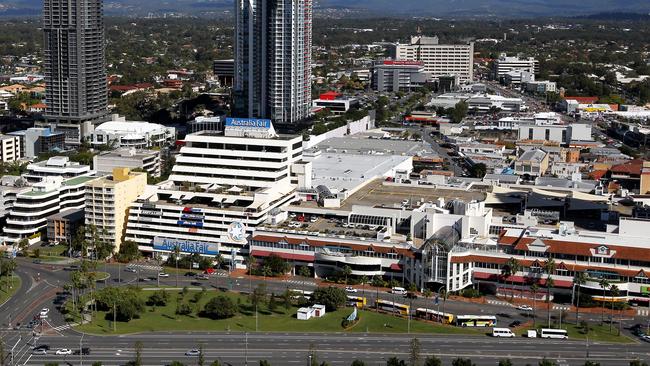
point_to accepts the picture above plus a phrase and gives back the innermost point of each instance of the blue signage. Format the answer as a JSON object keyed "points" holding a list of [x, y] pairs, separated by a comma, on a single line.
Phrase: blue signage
{"points": [[248, 122], [189, 223], [185, 246]]}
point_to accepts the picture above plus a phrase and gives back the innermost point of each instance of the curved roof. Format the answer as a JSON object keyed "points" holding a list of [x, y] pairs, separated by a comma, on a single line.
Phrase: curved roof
{"points": [[131, 126]]}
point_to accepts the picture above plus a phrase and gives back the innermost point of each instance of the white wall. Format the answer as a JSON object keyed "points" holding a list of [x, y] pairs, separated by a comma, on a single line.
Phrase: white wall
{"points": [[364, 124]]}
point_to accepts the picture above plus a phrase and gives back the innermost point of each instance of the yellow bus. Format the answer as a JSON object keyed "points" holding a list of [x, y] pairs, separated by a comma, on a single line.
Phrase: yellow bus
{"points": [[476, 320], [392, 307], [358, 301], [430, 314]]}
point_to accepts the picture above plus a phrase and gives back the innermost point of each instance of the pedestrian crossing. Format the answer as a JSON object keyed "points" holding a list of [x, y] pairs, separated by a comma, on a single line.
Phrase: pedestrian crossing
{"points": [[146, 267], [298, 282], [562, 307], [498, 302], [63, 327]]}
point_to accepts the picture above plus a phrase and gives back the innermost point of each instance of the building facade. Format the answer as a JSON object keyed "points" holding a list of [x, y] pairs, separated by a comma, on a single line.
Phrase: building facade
{"points": [[273, 41], [132, 134], [222, 186], [10, 149], [392, 76], [145, 160], [439, 59], [75, 73], [57, 166], [108, 200], [505, 64]]}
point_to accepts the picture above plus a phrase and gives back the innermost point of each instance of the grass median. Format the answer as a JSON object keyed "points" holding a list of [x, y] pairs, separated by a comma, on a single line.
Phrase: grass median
{"points": [[280, 319], [8, 287], [597, 333]]}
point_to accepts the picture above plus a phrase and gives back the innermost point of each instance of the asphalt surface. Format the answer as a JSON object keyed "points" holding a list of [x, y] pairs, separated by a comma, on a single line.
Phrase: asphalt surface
{"points": [[42, 283]]}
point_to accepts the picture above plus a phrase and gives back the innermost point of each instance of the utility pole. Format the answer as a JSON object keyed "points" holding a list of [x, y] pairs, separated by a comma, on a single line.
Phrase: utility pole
{"points": [[81, 352], [114, 316], [246, 349]]}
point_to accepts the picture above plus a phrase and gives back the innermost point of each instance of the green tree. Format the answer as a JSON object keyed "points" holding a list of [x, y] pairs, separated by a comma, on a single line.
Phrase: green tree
{"points": [[346, 271], [545, 362], [462, 362], [272, 303], [220, 307], [579, 279], [258, 296], [459, 112], [183, 308], [478, 170], [549, 269], [201, 360], [614, 292], [138, 354], [358, 363], [505, 362], [158, 298], [432, 361], [265, 363], [97, 363], [604, 284], [332, 297], [129, 251], [276, 264], [591, 363], [638, 362], [216, 363], [509, 269], [534, 288], [414, 352], [394, 361]]}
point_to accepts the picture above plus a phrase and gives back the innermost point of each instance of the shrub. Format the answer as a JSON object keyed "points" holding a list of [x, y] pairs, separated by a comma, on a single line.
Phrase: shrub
{"points": [[220, 307]]}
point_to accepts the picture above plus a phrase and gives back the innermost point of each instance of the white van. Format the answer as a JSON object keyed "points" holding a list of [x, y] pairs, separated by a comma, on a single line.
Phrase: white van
{"points": [[502, 332], [554, 333], [398, 290]]}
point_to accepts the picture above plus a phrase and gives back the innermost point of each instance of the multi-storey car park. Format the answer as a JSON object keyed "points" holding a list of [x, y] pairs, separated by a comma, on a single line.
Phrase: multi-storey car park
{"points": [[222, 186]]}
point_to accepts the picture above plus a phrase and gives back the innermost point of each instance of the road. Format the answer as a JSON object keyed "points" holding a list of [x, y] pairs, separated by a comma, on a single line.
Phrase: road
{"points": [[42, 283], [336, 349]]}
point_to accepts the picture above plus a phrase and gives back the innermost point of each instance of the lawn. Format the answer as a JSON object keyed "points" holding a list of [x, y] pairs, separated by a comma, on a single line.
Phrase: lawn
{"points": [[597, 333], [5, 291], [279, 320]]}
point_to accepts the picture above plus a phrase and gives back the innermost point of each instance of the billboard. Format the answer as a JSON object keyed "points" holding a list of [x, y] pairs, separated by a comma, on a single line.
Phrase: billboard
{"points": [[185, 246], [248, 122]]}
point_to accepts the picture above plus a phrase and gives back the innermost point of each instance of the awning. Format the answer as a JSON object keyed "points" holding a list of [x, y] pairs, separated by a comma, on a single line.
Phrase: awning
{"points": [[484, 276], [395, 267], [284, 255]]}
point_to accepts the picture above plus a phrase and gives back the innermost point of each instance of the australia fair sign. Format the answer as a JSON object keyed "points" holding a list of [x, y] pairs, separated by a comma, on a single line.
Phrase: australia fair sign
{"points": [[248, 123]]}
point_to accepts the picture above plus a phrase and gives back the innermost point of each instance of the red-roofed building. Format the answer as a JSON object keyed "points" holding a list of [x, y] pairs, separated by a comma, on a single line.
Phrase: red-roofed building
{"points": [[326, 256], [628, 174], [583, 100]]}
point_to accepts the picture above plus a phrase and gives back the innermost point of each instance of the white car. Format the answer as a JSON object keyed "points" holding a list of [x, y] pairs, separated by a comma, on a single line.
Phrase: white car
{"points": [[163, 274], [63, 351], [351, 289], [313, 219], [525, 308], [44, 312], [193, 352]]}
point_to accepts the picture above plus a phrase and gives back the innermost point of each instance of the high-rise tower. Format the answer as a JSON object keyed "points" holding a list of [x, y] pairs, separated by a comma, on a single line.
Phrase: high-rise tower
{"points": [[273, 59], [75, 72]]}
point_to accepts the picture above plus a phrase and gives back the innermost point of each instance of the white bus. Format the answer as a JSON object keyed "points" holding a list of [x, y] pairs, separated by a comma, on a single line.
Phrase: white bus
{"points": [[476, 320], [554, 333], [502, 332]]}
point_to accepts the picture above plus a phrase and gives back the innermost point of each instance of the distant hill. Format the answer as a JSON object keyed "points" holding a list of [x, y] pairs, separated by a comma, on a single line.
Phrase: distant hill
{"points": [[438, 8]]}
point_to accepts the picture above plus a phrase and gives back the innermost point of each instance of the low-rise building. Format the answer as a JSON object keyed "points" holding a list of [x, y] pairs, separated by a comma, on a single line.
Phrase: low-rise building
{"points": [[335, 102], [145, 160], [63, 226], [37, 140], [56, 166], [210, 124], [532, 163], [505, 64], [562, 134], [392, 76], [540, 86], [139, 135]]}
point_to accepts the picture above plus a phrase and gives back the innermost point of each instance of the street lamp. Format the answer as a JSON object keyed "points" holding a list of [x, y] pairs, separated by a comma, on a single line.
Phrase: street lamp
{"points": [[81, 352]]}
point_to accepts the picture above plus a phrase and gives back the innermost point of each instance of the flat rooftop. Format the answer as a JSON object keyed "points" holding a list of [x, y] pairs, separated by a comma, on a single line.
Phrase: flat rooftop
{"points": [[353, 144]]}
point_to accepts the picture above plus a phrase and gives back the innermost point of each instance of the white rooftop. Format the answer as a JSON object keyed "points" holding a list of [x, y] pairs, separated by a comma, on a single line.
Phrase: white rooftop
{"points": [[129, 126]]}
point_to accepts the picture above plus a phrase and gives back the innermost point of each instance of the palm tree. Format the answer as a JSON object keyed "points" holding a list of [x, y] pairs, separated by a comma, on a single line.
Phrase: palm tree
{"points": [[506, 271], [604, 284], [613, 292], [549, 268], [346, 271], [364, 280], [509, 269], [534, 288], [304, 273], [579, 279], [177, 253]]}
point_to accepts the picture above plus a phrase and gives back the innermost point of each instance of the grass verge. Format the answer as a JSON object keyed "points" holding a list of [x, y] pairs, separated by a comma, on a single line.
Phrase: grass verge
{"points": [[8, 287]]}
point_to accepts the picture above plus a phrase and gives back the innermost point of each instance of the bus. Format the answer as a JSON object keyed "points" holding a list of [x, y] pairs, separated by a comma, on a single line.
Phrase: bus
{"points": [[554, 333], [430, 314], [392, 307], [476, 320], [357, 301]]}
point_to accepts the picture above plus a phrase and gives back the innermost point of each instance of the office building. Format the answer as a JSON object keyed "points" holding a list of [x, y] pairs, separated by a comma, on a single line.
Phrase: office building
{"points": [[273, 41], [132, 134], [108, 200], [37, 140], [224, 70], [438, 59], [28, 215], [505, 64], [75, 73], [392, 76], [145, 160], [56, 166], [562, 134], [10, 149], [539, 87], [222, 186], [200, 123], [516, 78]]}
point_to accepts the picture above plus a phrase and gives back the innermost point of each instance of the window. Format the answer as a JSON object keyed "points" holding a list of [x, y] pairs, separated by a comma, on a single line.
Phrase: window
{"points": [[547, 134], [530, 133]]}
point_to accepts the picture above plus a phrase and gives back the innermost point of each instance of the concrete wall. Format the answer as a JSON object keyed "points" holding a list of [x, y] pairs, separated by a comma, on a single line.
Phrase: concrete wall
{"points": [[364, 124]]}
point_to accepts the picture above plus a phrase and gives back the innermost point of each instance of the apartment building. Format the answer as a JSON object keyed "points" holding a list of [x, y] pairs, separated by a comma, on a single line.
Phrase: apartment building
{"points": [[37, 140], [439, 60], [108, 200], [10, 149], [392, 76], [56, 166], [146, 160], [63, 226]]}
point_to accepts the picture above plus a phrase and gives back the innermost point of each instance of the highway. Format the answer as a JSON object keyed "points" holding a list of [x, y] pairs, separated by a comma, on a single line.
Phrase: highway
{"points": [[337, 349]]}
